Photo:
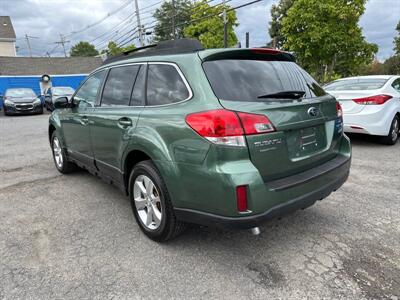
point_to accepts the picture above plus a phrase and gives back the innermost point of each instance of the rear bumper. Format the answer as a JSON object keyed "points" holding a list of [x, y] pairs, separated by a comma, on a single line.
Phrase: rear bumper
{"points": [[340, 173], [373, 120]]}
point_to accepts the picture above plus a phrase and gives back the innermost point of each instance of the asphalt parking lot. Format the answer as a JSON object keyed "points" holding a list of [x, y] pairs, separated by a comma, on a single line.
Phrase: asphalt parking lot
{"points": [[75, 236]]}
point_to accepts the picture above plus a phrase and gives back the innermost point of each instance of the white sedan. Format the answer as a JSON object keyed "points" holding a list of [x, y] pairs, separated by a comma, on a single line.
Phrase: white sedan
{"points": [[371, 105]]}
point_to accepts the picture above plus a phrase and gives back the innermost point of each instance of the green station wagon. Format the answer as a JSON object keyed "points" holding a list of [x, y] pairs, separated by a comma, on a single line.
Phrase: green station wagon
{"points": [[222, 137]]}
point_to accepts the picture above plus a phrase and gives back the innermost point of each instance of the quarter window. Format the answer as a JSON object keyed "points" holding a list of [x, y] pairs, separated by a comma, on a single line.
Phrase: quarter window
{"points": [[165, 85], [87, 93], [119, 84], [396, 84]]}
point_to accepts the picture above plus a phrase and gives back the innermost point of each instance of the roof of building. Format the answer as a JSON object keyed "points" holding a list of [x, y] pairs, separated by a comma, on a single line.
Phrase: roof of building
{"points": [[6, 28], [48, 65]]}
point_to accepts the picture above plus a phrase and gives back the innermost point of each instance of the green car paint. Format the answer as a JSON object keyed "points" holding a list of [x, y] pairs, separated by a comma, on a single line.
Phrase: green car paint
{"points": [[202, 177]]}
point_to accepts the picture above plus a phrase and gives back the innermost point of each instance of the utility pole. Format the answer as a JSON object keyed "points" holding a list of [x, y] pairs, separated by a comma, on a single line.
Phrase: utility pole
{"points": [[173, 20], [27, 37], [138, 23], [225, 26], [63, 42]]}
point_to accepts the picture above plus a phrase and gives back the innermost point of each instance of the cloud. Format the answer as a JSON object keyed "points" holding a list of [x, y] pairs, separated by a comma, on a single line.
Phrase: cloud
{"points": [[47, 19]]}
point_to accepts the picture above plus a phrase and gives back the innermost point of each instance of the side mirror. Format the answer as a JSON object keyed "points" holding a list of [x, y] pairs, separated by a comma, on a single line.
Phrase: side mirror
{"points": [[61, 102]]}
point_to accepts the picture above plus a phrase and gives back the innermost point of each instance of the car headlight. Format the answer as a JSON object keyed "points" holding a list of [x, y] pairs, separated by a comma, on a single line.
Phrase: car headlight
{"points": [[8, 102], [37, 102]]}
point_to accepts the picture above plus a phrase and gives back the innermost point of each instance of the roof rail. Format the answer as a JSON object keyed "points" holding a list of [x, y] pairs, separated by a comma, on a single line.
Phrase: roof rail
{"points": [[162, 48]]}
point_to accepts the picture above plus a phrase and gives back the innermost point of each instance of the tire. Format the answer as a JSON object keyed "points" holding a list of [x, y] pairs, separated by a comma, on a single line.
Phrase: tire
{"points": [[65, 166], [393, 135], [163, 224]]}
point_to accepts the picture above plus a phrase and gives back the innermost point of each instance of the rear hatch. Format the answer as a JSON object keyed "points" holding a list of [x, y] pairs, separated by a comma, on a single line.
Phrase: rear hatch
{"points": [[307, 128]]}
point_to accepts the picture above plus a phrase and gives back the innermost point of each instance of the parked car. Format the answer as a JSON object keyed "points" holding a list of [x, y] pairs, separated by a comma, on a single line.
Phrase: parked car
{"points": [[371, 105], [17, 101], [221, 137], [57, 92]]}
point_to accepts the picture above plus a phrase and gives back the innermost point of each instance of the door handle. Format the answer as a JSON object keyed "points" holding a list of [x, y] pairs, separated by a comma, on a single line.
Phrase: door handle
{"points": [[124, 122], [85, 120]]}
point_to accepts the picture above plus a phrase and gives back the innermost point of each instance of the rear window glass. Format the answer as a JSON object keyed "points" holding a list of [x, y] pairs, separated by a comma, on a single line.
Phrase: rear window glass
{"points": [[356, 84], [20, 93], [247, 80], [165, 85]]}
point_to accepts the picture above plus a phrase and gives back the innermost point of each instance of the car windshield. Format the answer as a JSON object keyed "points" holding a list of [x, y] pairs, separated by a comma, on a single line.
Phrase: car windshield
{"points": [[260, 81], [356, 84], [19, 93], [64, 90]]}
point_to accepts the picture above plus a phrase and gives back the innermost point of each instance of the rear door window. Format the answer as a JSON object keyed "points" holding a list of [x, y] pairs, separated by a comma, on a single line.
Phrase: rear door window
{"points": [[118, 86], [165, 85], [247, 80]]}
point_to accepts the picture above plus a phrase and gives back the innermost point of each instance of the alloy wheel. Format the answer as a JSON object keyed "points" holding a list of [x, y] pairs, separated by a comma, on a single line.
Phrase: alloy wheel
{"points": [[147, 202], [395, 129], [57, 153]]}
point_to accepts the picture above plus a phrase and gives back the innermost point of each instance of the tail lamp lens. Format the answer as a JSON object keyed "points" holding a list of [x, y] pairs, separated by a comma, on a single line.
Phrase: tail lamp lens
{"points": [[254, 124], [339, 110], [226, 127], [241, 198], [373, 100]]}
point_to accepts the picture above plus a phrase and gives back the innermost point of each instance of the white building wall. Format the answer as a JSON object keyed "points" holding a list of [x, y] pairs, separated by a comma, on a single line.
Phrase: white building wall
{"points": [[7, 49]]}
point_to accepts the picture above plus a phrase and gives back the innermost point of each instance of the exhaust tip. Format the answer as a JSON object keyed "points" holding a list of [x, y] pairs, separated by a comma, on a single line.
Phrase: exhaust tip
{"points": [[255, 230]]}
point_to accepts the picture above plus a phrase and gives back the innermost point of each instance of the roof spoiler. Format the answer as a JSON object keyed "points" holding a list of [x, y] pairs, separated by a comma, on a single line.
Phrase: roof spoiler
{"points": [[250, 53]]}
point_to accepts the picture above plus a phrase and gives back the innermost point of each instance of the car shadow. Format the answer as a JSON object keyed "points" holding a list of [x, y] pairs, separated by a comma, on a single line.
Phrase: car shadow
{"points": [[364, 139]]}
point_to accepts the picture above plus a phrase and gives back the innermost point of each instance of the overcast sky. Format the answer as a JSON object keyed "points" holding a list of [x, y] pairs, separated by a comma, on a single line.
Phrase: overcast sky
{"points": [[47, 19]]}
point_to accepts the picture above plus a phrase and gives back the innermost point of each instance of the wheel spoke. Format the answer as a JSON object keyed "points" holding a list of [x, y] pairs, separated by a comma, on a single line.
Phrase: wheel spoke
{"points": [[149, 218], [140, 203], [149, 188], [140, 185], [156, 215]]}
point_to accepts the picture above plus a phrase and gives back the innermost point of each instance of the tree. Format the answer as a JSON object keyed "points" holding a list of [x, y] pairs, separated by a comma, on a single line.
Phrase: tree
{"points": [[83, 49], [397, 41], [392, 65], [208, 27], [163, 30], [278, 12], [114, 49], [326, 37], [374, 68]]}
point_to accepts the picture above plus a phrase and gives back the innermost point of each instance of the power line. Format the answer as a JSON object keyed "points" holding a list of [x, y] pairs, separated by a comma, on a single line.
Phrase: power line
{"points": [[62, 42], [125, 4], [139, 26], [27, 38], [208, 16]]}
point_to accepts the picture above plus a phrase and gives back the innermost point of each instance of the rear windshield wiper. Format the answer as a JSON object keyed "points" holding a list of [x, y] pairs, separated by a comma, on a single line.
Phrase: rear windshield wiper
{"points": [[284, 95]]}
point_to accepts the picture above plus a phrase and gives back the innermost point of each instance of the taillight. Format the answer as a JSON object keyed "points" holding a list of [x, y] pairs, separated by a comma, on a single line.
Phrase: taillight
{"points": [[339, 110], [226, 127], [218, 126], [241, 198], [373, 100], [254, 124]]}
